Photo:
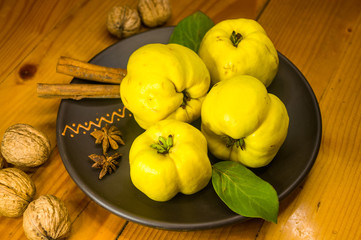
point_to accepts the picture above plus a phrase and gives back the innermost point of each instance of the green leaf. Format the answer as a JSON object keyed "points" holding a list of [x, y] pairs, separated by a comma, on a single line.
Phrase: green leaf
{"points": [[190, 31], [244, 192]]}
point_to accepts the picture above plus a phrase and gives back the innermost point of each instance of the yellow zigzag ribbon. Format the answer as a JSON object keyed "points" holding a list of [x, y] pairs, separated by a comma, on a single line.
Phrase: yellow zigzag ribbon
{"points": [[91, 124]]}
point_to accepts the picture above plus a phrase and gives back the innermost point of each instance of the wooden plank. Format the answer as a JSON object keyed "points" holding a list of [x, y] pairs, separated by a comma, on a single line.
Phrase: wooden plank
{"points": [[248, 230], [217, 10], [322, 39], [24, 24]]}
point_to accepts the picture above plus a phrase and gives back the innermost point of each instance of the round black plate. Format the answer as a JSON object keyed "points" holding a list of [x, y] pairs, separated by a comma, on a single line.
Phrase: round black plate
{"points": [[115, 192]]}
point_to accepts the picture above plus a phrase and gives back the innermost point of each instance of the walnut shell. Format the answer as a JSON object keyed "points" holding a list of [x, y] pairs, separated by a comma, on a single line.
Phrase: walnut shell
{"points": [[25, 146], [2, 161], [46, 218], [16, 192], [123, 21], [154, 12]]}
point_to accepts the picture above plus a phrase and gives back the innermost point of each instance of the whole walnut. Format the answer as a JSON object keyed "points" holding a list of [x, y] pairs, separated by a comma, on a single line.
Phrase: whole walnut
{"points": [[24, 146], [46, 218], [154, 12], [16, 192], [123, 21]]}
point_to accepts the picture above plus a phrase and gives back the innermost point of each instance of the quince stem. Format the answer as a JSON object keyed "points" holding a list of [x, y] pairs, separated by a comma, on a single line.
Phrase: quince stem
{"points": [[237, 142], [186, 98], [164, 145], [236, 38]]}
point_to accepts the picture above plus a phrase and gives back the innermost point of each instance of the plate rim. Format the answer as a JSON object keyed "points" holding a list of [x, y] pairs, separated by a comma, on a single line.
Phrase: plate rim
{"points": [[318, 137]]}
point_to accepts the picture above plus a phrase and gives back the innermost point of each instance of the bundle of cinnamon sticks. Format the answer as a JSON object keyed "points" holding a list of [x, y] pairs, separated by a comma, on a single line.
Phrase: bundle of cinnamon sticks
{"points": [[109, 79]]}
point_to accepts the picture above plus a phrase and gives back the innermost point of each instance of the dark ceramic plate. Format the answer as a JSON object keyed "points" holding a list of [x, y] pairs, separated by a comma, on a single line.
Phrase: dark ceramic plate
{"points": [[116, 193]]}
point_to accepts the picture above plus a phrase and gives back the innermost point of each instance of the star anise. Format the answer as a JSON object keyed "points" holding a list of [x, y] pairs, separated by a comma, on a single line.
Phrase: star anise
{"points": [[108, 136], [108, 164]]}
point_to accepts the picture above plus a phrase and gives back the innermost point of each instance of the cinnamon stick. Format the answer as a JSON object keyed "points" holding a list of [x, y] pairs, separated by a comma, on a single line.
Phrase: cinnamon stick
{"points": [[88, 71], [78, 91]]}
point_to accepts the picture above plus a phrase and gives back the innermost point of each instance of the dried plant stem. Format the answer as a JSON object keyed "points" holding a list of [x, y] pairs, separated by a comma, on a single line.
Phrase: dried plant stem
{"points": [[78, 91], [88, 71]]}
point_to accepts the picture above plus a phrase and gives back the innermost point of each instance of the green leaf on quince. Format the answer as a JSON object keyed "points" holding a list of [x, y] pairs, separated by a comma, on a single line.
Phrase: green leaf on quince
{"points": [[244, 192]]}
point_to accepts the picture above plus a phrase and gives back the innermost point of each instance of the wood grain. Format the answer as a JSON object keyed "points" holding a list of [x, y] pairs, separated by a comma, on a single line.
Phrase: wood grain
{"points": [[320, 37]]}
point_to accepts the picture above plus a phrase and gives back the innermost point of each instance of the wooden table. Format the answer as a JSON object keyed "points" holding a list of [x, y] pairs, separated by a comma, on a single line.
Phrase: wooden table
{"points": [[322, 38]]}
